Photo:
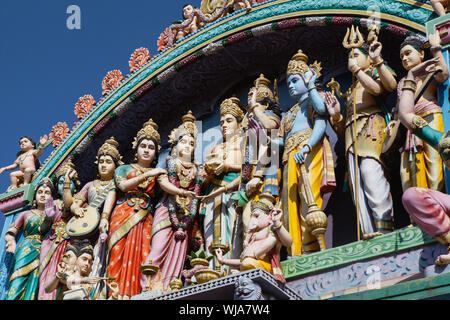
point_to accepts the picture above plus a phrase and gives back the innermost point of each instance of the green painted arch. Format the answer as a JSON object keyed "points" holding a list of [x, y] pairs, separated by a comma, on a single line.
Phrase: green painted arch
{"points": [[409, 15]]}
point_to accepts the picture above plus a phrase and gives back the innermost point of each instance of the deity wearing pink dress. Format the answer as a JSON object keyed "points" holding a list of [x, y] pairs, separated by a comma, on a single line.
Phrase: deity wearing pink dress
{"points": [[175, 215]]}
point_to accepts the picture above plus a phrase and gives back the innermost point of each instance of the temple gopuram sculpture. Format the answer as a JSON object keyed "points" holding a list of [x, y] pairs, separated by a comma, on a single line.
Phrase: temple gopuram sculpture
{"points": [[364, 129], [265, 235], [130, 223], [174, 228], [27, 161], [307, 160], [257, 196], [223, 166], [24, 281], [429, 208]]}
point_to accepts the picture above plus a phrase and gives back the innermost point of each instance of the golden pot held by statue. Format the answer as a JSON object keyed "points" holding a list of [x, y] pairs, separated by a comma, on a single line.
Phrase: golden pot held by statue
{"points": [[199, 262], [206, 275]]}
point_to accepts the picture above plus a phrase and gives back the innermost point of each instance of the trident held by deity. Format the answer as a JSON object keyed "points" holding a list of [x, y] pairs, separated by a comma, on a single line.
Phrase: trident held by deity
{"points": [[353, 39]]}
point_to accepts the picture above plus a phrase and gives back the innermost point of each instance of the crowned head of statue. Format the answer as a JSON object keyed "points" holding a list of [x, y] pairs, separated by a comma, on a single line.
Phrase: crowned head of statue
{"points": [[183, 138], [67, 169], [231, 116], [300, 75], [261, 212], [108, 159], [146, 144], [261, 89], [44, 190]]}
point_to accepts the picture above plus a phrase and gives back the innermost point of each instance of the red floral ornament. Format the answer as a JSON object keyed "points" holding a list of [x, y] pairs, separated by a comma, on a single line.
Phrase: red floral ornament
{"points": [[112, 80], [59, 132], [84, 105], [163, 39], [139, 58]]}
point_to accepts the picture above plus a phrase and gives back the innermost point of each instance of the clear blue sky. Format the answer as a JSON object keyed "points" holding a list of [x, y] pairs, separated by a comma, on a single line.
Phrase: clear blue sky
{"points": [[45, 67]]}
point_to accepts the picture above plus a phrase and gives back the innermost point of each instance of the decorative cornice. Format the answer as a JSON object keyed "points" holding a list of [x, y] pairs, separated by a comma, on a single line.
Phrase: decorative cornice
{"points": [[357, 251], [409, 16]]}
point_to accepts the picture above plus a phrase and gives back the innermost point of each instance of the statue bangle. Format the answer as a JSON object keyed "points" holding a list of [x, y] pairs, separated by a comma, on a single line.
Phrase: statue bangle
{"points": [[409, 84], [105, 215], [309, 146], [356, 72], [310, 89], [436, 48], [379, 64]]}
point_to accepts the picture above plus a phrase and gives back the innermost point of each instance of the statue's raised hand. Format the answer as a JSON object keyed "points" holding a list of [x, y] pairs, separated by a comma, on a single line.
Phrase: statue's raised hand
{"points": [[43, 140], [276, 217], [434, 39], [50, 208], [353, 65], [424, 69], [312, 79], [375, 51], [332, 104]]}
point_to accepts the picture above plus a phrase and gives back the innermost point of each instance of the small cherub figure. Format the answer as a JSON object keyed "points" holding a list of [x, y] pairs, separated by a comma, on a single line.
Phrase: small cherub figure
{"points": [[440, 6], [196, 23], [240, 4], [27, 161]]}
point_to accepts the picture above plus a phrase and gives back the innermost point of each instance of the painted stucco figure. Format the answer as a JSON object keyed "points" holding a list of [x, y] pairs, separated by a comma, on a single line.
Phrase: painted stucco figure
{"points": [[130, 223], [264, 238], [374, 80], [27, 162], [223, 168], [261, 166], [97, 196], [430, 209], [421, 165], [304, 143], [24, 280], [55, 241], [174, 220]]}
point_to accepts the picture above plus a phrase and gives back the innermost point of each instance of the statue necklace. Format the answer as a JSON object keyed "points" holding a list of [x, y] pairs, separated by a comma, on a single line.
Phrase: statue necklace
{"points": [[99, 185], [185, 173], [291, 115]]}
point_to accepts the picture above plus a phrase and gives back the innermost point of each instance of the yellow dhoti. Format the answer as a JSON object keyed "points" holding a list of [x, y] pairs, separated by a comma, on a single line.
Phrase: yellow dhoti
{"points": [[319, 165]]}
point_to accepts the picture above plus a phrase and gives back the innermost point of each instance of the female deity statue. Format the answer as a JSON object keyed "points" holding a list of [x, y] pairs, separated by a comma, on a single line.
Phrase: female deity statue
{"points": [[24, 281], [173, 222], [421, 165], [430, 209], [302, 135], [130, 223], [96, 194], [223, 167], [27, 162], [55, 242], [370, 188]]}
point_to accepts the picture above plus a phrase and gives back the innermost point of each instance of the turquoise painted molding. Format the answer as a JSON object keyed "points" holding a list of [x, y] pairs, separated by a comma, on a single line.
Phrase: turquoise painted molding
{"points": [[357, 251], [412, 290], [404, 13]]}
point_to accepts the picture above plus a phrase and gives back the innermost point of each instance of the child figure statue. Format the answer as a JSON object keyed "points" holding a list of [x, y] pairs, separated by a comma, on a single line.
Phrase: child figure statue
{"points": [[27, 162]]}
